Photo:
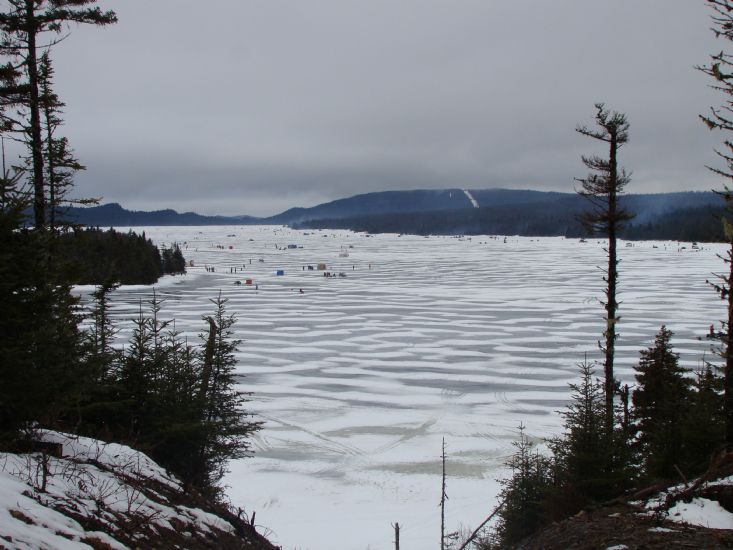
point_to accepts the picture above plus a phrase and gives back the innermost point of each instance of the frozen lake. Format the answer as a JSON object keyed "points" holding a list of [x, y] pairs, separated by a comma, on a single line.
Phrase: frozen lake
{"points": [[358, 378]]}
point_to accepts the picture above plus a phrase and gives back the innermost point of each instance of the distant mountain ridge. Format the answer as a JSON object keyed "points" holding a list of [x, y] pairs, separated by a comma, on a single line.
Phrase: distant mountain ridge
{"points": [[445, 211], [114, 215], [669, 216], [382, 202]]}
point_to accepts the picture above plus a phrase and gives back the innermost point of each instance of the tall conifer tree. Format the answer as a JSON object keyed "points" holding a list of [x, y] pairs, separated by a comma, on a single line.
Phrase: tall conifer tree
{"points": [[602, 187], [40, 337], [61, 165], [22, 25], [720, 70]]}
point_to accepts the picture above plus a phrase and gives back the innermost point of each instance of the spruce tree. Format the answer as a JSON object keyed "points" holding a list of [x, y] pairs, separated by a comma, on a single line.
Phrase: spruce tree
{"points": [[40, 344], [227, 425], [661, 403], [523, 495], [178, 433], [61, 165], [704, 426], [589, 466], [603, 187], [180, 404], [135, 377], [173, 261], [178, 262], [101, 334], [45, 345], [42, 375], [101, 412], [16, 333]]}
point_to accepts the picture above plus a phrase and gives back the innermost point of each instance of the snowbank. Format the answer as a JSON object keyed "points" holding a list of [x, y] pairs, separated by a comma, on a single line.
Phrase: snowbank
{"points": [[96, 492]]}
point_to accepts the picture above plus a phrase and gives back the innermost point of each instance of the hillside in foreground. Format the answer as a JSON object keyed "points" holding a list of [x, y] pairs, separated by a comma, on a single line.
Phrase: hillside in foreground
{"points": [[107, 496], [697, 514]]}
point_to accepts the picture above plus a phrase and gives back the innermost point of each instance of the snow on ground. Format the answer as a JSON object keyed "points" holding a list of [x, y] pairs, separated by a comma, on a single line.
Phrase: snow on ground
{"points": [[358, 378], [26, 523], [699, 511], [91, 480], [703, 512], [114, 456]]}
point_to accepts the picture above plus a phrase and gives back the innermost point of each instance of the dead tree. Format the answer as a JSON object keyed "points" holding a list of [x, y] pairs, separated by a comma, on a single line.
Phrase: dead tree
{"points": [[443, 498], [476, 531], [208, 358], [396, 527]]}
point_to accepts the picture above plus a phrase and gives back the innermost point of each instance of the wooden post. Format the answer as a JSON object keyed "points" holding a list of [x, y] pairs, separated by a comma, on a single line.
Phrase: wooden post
{"points": [[396, 536]]}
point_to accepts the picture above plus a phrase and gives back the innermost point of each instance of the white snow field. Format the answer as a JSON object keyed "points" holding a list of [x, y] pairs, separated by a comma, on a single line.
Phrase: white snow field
{"points": [[359, 378]]}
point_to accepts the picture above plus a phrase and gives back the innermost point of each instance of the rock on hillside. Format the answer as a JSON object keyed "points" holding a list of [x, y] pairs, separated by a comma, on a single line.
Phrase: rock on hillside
{"points": [[107, 496]]}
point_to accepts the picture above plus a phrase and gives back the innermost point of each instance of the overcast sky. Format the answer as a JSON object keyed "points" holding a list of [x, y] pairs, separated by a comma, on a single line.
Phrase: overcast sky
{"points": [[254, 106]]}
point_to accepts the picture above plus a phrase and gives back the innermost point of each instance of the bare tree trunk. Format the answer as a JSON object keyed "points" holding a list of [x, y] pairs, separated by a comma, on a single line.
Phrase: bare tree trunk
{"points": [[611, 305], [51, 183], [396, 536], [443, 498], [728, 380], [39, 195], [476, 531], [208, 360]]}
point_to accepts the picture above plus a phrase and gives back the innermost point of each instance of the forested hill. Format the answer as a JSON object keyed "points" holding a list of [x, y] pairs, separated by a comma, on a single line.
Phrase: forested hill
{"points": [[447, 211], [383, 202], [669, 216], [430, 203], [114, 215], [359, 205]]}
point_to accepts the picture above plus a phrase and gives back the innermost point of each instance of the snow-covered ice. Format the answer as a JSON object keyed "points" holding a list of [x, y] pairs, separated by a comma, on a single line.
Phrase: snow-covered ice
{"points": [[358, 378]]}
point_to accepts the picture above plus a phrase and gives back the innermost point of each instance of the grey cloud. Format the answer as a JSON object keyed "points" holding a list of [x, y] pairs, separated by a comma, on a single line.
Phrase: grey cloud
{"points": [[292, 103]]}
